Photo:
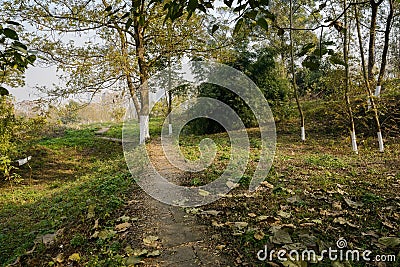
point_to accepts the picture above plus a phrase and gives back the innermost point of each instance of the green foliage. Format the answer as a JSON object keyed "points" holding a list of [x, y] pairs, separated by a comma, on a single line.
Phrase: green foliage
{"points": [[8, 148], [371, 198], [14, 55], [77, 241], [16, 133], [260, 67], [69, 113], [326, 161], [118, 113]]}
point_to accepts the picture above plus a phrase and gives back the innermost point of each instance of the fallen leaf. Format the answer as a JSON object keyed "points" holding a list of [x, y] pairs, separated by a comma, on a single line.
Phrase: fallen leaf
{"points": [[122, 227], [290, 263], [139, 252], [232, 185], [343, 221], [390, 242], [280, 237], [307, 224], [241, 225], [370, 233], [48, 239], [96, 224], [252, 215], [124, 218], [269, 219], [352, 203], [295, 246], [317, 221], [217, 224], [192, 210], [308, 240], [341, 264], [293, 199], [259, 235], [288, 225], [388, 224], [330, 213], [290, 191], [248, 195], [284, 214], [105, 234], [95, 234], [268, 185], [74, 257], [128, 250], [211, 212], [59, 258], [150, 240], [337, 205], [154, 253], [133, 261], [220, 247], [203, 193]]}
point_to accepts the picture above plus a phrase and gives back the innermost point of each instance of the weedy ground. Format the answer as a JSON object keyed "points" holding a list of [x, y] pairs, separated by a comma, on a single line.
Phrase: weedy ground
{"points": [[317, 192]]}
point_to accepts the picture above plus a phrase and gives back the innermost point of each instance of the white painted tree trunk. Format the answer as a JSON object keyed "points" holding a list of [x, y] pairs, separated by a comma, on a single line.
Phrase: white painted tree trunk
{"points": [[303, 133], [378, 91], [376, 94], [170, 129], [380, 141], [144, 129], [354, 142]]}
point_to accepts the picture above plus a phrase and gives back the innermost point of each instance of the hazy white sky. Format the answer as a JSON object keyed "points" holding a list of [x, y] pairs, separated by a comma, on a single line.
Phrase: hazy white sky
{"points": [[34, 76]]}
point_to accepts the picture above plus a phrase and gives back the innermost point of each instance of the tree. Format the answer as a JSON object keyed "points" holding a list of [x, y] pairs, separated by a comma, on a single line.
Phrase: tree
{"points": [[346, 34], [292, 67], [132, 47], [14, 60]]}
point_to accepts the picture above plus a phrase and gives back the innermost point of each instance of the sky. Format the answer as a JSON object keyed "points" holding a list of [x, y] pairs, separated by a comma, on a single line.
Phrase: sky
{"points": [[34, 76]]}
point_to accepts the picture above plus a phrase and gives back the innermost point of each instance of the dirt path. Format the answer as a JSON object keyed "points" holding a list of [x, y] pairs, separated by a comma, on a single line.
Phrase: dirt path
{"points": [[182, 241]]}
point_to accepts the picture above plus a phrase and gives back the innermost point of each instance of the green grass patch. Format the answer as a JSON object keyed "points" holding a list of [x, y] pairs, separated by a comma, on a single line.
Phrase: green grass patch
{"points": [[75, 171]]}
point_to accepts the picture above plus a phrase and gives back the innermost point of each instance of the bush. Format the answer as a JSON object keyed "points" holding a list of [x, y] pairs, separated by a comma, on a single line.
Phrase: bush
{"points": [[261, 68], [15, 135], [7, 125]]}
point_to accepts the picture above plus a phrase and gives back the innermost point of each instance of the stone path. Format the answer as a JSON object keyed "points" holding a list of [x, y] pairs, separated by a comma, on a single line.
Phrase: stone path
{"points": [[183, 241]]}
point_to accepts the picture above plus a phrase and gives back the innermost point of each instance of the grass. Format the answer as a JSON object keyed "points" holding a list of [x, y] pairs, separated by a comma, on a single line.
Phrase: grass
{"points": [[70, 173], [321, 171]]}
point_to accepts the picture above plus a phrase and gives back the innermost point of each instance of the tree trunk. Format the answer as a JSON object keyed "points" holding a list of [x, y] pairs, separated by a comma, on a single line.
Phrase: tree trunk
{"points": [[367, 82], [371, 45], [385, 49], [169, 98], [143, 75], [296, 94], [127, 69], [347, 80]]}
